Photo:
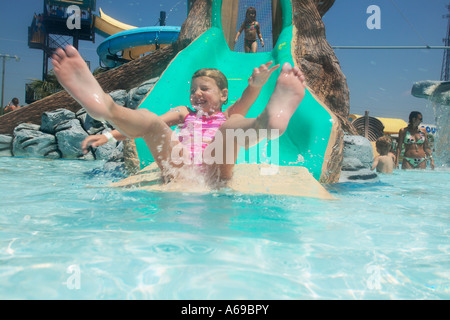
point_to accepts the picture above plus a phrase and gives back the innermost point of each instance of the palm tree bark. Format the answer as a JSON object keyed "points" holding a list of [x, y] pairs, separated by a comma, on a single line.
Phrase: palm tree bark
{"points": [[323, 6], [317, 59]]}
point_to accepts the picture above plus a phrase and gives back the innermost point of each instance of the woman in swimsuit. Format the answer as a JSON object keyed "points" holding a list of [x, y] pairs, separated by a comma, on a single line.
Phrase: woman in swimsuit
{"points": [[202, 127], [252, 30], [417, 149]]}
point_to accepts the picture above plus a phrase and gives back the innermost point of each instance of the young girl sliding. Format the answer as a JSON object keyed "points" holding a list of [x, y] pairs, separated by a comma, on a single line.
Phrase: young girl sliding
{"points": [[199, 128]]}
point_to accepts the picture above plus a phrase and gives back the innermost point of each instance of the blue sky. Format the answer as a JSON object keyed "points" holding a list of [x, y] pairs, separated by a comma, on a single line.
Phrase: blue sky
{"points": [[380, 81]]}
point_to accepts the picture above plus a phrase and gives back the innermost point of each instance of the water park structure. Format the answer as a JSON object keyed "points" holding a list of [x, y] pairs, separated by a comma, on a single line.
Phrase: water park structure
{"points": [[312, 133], [61, 22], [314, 137], [52, 29], [131, 42]]}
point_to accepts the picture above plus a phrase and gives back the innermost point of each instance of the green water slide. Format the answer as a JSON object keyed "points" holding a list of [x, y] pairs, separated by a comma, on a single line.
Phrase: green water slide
{"points": [[307, 137]]}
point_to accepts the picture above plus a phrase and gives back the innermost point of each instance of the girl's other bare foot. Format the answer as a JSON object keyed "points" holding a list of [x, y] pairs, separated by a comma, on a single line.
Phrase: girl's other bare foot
{"points": [[288, 93], [74, 75]]}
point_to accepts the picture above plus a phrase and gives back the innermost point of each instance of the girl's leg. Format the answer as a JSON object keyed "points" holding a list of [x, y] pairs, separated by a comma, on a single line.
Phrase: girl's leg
{"points": [[74, 75], [254, 47], [286, 97], [288, 93], [165, 148], [246, 47]]}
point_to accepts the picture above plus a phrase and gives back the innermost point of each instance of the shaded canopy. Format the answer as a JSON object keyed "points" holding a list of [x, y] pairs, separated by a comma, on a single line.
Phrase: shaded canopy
{"points": [[391, 125]]}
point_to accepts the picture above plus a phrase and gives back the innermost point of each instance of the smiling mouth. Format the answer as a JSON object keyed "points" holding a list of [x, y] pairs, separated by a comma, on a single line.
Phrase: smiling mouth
{"points": [[199, 103]]}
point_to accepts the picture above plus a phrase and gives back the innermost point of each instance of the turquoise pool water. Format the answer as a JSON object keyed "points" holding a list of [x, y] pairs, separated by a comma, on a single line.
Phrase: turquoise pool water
{"points": [[65, 235]]}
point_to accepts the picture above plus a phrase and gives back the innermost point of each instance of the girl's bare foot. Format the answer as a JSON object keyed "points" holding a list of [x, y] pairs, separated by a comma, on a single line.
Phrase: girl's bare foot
{"points": [[288, 93], [74, 75]]}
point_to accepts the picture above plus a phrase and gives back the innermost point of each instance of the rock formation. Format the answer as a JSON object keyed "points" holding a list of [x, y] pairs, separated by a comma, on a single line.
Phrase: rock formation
{"points": [[61, 132], [435, 91], [357, 160]]}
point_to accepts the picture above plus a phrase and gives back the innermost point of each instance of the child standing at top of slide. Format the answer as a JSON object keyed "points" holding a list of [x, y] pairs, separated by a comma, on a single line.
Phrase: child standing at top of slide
{"points": [[385, 162], [209, 91], [252, 30]]}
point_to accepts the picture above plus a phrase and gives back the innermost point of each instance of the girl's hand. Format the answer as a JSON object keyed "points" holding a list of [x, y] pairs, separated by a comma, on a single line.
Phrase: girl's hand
{"points": [[93, 141], [260, 75]]}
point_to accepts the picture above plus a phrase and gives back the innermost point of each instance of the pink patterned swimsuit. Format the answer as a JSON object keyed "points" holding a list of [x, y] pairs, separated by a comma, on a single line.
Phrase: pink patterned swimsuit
{"points": [[198, 131]]}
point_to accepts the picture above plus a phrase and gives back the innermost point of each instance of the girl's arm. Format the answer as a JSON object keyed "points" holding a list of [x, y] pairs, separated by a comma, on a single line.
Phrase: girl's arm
{"points": [[258, 32], [255, 83], [375, 163], [239, 32], [98, 140], [173, 117]]}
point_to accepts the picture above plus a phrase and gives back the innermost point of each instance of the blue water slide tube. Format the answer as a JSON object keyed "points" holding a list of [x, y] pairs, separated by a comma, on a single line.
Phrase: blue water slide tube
{"points": [[133, 38]]}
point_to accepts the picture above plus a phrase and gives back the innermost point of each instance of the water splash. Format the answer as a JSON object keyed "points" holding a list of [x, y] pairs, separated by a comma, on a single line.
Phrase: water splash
{"points": [[438, 94], [200, 177], [442, 143], [174, 8]]}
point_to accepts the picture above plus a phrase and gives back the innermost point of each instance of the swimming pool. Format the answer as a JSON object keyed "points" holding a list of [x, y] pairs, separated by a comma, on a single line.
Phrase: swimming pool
{"points": [[65, 235]]}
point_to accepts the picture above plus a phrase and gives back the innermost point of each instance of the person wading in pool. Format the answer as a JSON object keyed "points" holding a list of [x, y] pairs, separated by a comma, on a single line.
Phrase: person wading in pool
{"points": [[417, 149], [12, 106], [385, 161], [208, 94]]}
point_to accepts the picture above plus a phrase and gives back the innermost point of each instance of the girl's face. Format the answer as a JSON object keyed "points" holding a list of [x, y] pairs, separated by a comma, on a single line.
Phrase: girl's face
{"points": [[206, 95], [251, 16]]}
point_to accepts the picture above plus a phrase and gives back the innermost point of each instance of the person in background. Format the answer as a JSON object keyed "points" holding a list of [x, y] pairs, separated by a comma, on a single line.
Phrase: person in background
{"points": [[13, 105], [385, 161], [251, 30], [415, 141]]}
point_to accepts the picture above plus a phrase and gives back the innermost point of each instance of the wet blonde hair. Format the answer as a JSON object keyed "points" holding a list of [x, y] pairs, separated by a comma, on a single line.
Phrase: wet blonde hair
{"points": [[214, 74]]}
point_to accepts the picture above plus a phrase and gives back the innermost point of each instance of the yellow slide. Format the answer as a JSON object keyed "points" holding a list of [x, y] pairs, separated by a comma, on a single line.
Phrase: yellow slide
{"points": [[107, 26]]}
